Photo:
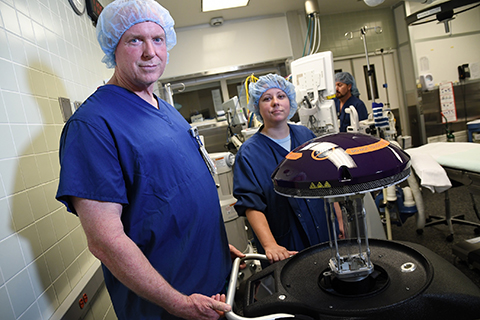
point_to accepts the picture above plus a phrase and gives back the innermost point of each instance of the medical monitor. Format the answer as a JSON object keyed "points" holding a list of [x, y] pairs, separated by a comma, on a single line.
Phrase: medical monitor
{"points": [[231, 105], [234, 112], [314, 76], [314, 80]]}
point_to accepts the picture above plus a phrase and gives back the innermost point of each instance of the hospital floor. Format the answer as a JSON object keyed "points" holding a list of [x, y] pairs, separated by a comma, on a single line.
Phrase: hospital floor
{"points": [[434, 237]]}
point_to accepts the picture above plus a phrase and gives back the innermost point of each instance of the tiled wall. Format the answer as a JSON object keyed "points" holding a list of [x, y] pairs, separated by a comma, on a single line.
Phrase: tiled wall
{"points": [[46, 52], [334, 27]]}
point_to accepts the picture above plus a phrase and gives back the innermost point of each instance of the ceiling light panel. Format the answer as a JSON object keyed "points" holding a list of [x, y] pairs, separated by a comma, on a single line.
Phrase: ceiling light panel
{"points": [[212, 5]]}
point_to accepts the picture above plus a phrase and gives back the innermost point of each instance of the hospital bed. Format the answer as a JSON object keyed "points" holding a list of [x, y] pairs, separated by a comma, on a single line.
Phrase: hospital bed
{"points": [[440, 166]]}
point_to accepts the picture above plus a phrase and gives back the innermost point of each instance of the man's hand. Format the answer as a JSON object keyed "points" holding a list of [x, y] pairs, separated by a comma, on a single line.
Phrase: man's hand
{"points": [[221, 298], [200, 307], [235, 253]]}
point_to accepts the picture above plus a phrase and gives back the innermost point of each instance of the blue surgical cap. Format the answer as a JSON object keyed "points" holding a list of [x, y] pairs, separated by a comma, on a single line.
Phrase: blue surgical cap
{"points": [[121, 15], [264, 83], [347, 78]]}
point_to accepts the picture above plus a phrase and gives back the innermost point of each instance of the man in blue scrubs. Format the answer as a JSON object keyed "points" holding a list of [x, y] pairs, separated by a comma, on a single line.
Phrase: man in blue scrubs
{"points": [[132, 172], [347, 95]]}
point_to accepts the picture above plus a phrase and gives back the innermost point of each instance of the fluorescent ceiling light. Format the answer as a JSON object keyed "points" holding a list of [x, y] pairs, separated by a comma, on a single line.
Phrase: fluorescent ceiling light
{"points": [[212, 5]]}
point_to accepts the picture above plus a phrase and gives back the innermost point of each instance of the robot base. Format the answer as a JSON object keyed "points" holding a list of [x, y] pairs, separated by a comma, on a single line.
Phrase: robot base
{"points": [[409, 282]]}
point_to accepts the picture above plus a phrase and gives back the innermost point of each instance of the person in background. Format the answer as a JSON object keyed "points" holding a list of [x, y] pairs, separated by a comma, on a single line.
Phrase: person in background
{"points": [[282, 226], [347, 95], [133, 173]]}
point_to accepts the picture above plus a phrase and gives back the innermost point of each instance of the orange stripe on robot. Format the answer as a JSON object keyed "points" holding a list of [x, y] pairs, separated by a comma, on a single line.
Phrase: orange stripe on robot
{"points": [[293, 156], [368, 148]]}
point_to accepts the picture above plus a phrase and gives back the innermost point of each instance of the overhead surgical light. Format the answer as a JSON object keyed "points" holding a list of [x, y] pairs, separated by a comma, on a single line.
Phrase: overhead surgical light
{"points": [[212, 5], [445, 18], [442, 13], [373, 3]]}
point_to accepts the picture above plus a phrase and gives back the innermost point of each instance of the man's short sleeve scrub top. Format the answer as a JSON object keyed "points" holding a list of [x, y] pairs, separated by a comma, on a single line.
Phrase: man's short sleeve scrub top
{"points": [[118, 148]]}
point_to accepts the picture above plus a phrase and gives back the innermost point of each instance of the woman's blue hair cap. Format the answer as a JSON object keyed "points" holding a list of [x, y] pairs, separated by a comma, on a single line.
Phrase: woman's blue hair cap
{"points": [[264, 83]]}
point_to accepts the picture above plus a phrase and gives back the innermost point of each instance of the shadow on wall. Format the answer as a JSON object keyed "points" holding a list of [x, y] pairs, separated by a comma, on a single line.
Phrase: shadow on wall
{"points": [[52, 241]]}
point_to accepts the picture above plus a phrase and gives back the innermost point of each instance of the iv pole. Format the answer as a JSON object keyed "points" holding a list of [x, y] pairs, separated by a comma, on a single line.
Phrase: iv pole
{"points": [[363, 31], [385, 77], [349, 36]]}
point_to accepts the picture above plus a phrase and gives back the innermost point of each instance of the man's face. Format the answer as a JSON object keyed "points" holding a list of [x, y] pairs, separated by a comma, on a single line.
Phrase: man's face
{"points": [[342, 89], [141, 55]]}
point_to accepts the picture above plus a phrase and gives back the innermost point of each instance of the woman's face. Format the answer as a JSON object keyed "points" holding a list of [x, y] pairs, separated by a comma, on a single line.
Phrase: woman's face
{"points": [[274, 106]]}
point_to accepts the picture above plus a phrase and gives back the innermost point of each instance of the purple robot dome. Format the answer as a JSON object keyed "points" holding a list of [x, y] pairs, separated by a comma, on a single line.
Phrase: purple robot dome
{"points": [[340, 164]]}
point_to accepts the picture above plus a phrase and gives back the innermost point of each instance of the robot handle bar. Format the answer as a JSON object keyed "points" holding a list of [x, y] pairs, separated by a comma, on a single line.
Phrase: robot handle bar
{"points": [[232, 286]]}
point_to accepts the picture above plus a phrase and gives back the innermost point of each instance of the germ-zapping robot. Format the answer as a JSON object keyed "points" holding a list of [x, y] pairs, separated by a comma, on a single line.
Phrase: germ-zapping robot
{"points": [[355, 277]]}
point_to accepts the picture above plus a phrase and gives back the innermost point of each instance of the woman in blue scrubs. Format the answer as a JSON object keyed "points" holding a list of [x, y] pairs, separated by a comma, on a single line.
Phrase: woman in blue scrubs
{"points": [[282, 226]]}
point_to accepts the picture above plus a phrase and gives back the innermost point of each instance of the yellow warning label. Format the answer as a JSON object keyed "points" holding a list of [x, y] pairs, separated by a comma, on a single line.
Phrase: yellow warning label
{"points": [[319, 185]]}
